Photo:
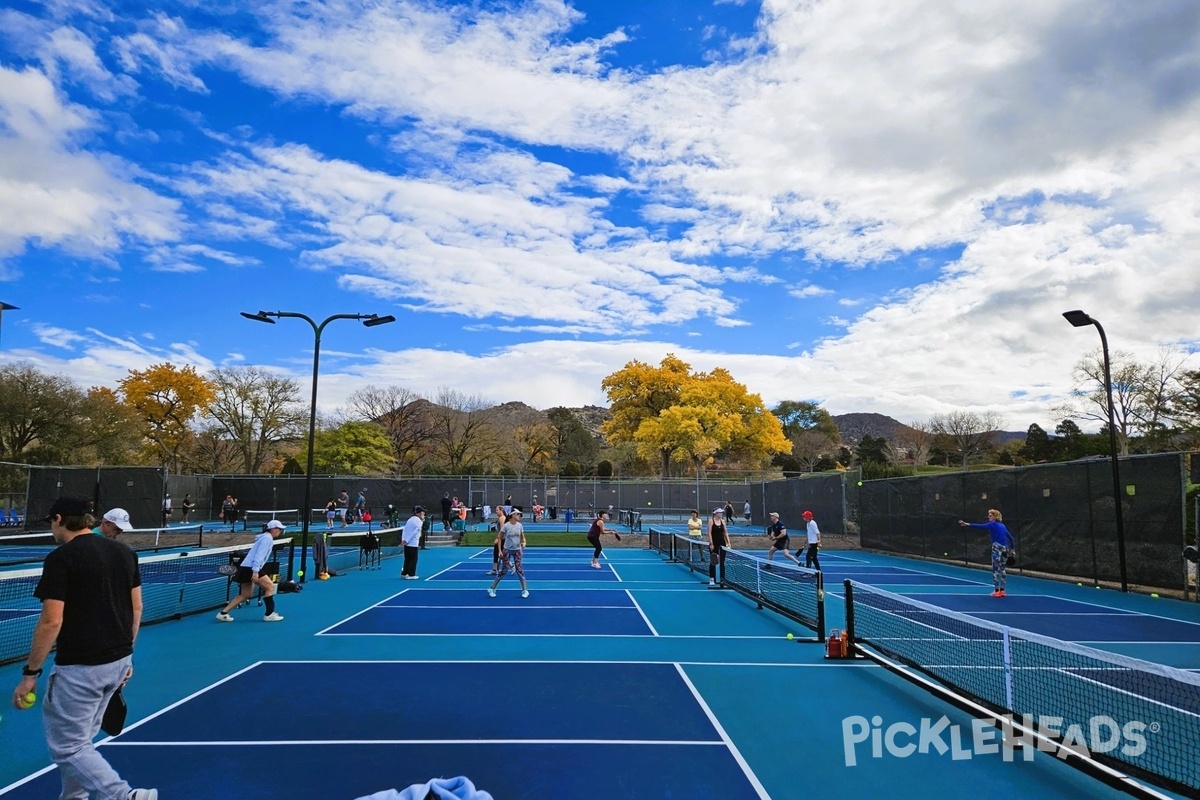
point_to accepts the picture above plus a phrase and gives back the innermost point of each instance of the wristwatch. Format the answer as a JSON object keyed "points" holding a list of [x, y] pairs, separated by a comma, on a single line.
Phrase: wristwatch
{"points": [[31, 673]]}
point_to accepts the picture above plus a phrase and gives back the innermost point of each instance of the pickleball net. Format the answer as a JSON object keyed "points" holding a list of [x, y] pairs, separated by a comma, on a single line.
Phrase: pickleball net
{"points": [[1116, 715], [31, 548], [351, 550], [253, 519], [172, 585], [795, 592]]}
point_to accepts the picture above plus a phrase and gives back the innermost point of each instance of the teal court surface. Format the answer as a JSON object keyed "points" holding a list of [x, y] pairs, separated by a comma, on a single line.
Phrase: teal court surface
{"points": [[635, 680]]}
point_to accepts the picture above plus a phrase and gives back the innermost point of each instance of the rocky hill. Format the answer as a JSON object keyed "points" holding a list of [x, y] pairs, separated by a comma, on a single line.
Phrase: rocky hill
{"points": [[854, 427]]}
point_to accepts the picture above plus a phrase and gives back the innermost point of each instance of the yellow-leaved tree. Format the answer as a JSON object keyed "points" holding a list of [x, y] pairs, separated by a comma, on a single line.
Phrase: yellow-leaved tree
{"points": [[638, 392], [671, 411], [167, 399]]}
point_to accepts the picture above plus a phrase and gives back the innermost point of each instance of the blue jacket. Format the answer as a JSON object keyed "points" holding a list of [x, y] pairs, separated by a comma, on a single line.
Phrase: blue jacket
{"points": [[998, 532]]}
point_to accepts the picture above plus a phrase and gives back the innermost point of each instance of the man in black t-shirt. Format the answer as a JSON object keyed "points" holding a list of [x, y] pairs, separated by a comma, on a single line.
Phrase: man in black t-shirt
{"points": [[777, 533], [91, 593]]}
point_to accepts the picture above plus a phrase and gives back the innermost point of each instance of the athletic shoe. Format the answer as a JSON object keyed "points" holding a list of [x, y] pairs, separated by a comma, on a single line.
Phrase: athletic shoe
{"points": [[595, 566], [711, 582], [524, 593], [223, 617], [272, 618], [766, 566], [143, 794], [491, 592], [1002, 594], [997, 593], [411, 578], [491, 572]]}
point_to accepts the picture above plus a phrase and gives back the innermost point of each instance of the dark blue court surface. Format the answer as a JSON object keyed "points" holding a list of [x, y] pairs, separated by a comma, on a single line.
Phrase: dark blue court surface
{"points": [[544, 612], [519, 730]]}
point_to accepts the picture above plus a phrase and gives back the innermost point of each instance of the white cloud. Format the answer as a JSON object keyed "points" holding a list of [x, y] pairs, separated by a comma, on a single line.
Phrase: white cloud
{"points": [[56, 193]]}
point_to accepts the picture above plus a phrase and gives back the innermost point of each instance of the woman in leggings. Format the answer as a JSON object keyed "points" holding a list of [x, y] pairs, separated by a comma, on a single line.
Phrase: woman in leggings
{"points": [[501, 518], [594, 533], [718, 540]]}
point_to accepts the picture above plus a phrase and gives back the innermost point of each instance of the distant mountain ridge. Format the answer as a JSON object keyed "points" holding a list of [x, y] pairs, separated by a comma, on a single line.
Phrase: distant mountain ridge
{"points": [[854, 427]]}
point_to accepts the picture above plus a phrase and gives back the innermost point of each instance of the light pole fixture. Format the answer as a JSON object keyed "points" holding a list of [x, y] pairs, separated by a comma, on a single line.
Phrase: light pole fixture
{"points": [[1081, 320], [6, 307], [370, 321]]}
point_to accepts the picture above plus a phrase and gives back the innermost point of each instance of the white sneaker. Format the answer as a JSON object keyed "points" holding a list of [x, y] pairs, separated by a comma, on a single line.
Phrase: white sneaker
{"points": [[411, 578], [223, 617], [711, 582], [524, 593], [273, 618], [143, 794], [491, 592]]}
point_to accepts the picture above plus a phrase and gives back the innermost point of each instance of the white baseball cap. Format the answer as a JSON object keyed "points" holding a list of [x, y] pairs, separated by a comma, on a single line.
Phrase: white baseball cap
{"points": [[275, 524], [120, 518]]}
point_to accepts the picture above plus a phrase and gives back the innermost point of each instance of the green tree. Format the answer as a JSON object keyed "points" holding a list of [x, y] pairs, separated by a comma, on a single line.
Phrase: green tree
{"points": [[804, 415], [572, 441], [1037, 448], [811, 431], [873, 449], [167, 400], [38, 421], [257, 411], [352, 448], [1070, 442]]}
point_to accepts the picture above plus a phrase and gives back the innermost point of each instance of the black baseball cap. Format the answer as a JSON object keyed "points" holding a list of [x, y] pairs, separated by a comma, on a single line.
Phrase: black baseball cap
{"points": [[69, 507], [418, 509]]}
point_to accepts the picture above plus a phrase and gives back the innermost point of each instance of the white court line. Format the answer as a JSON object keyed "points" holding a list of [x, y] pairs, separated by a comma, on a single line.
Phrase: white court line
{"points": [[490, 604], [646, 619], [344, 620], [733, 750], [633, 636]]}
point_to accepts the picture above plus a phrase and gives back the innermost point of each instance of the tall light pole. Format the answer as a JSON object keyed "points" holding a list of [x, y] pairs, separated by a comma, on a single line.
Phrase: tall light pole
{"points": [[1081, 320], [370, 321]]}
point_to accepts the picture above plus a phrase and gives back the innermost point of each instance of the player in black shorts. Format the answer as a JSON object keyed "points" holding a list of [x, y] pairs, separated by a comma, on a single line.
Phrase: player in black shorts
{"points": [[778, 535]]}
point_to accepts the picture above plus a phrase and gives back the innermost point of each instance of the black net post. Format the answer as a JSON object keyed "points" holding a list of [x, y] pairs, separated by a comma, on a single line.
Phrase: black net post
{"points": [[848, 587]]}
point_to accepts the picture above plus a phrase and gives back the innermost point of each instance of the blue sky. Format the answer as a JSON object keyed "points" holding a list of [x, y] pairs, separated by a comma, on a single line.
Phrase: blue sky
{"points": [[879, 206]]}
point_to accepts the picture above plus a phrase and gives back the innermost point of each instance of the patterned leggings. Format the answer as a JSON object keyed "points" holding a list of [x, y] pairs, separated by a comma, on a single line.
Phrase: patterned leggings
{"points": [[999, 562], [513, 556]]}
